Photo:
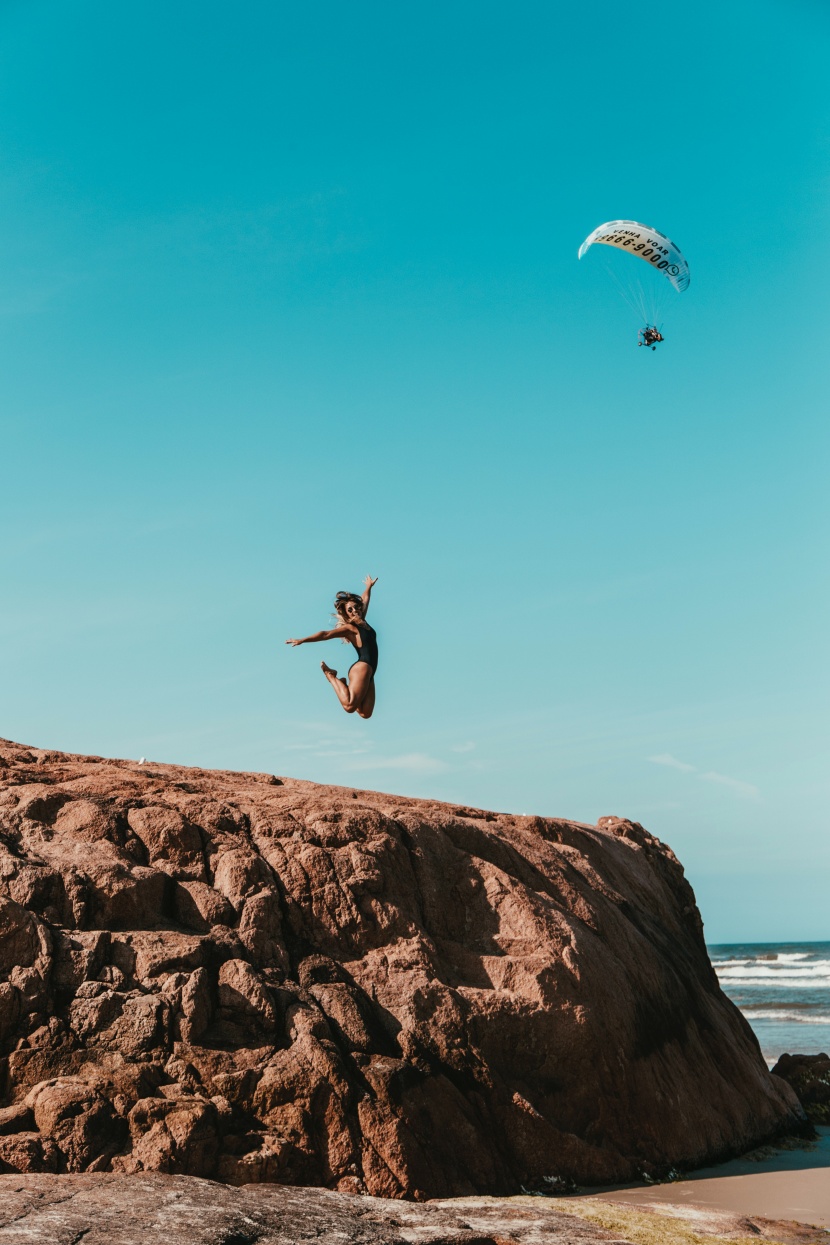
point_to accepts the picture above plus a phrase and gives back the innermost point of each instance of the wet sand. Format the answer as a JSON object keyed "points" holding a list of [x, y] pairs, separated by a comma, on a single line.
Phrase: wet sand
{"points": [[784, 1184]]}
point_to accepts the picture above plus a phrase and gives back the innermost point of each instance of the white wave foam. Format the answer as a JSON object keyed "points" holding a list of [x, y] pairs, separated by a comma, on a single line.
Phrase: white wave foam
{"points": [[785, 958], [794, 1017], [769, 972], [815, 983]]}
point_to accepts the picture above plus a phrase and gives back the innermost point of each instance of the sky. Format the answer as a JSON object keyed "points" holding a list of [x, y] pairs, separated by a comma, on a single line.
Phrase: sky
{"points": [[289, 294]]}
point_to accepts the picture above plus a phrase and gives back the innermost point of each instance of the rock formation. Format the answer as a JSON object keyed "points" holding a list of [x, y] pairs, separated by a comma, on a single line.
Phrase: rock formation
{"points": [[260, 979], [809, 1076]]}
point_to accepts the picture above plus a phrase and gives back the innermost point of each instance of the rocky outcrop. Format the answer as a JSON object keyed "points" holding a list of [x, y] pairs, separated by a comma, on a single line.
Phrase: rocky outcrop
{"points": [[809, 1076], [156, 1210], [259, 979]]}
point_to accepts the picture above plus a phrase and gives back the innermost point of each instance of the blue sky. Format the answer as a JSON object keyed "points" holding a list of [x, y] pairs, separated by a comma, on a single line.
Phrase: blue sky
{"points": [[290, 294]]}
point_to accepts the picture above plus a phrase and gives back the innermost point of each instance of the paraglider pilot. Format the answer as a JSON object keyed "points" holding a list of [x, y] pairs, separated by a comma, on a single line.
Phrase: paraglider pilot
{"points": [[649, 336]]}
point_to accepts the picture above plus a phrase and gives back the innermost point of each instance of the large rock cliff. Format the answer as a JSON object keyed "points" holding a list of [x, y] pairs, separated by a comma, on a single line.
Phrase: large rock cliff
{"points": [[261, 979]]}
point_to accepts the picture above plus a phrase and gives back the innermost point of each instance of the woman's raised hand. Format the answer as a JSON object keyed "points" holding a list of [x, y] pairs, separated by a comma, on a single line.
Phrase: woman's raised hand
{"points": [[369, 582], [294, 642]]}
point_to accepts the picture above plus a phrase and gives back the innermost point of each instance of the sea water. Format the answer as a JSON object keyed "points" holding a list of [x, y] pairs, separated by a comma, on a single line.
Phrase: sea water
{"points": [[783, 989]]}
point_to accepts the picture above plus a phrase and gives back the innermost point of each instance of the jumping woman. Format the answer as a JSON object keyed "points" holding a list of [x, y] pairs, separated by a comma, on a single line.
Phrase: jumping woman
{"points": [[357, 693]]}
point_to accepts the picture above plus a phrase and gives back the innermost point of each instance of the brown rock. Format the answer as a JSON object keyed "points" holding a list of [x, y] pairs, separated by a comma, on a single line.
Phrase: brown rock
{"points": [[809, 1076], [78, 957], [171, 841], [39, 889], [19, 941], [244, 998], [28, 1152], [85, 820], [178, 1136], [10, 1011], [125, 896], [146, 957], [254, 1158], [261, 932], [78, 1119], [16, 1119], [195, 1007], [350, 1015], [219, 973], [239, 873], [200, 907]]}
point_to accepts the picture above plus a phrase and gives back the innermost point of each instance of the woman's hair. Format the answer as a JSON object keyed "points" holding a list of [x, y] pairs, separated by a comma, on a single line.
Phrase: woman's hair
{"points": [[340, 602]]}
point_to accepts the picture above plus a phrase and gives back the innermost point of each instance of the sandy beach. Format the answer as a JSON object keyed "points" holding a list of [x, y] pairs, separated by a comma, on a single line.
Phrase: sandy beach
{"points": [[778, 1184]]}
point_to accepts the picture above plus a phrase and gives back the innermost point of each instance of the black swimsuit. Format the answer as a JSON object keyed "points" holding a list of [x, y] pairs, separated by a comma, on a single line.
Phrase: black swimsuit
{"points": [[368, 650]]}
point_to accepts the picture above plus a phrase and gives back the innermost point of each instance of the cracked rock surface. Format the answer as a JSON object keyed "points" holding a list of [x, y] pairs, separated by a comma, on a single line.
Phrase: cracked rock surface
{"points": [[152, 1209], [254, 979]]}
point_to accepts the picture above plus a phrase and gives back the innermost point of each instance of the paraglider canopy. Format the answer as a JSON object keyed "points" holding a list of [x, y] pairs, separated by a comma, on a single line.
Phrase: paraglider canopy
{"points": [[647, 244]]}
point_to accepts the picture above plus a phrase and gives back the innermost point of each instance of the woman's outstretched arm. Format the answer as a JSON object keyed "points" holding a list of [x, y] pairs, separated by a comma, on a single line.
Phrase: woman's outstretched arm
{"points": [[367, 592], [336, 634]]}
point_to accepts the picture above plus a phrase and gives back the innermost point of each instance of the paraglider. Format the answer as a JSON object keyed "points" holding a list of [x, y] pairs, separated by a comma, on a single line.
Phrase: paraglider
{"points": [[643, 291]]}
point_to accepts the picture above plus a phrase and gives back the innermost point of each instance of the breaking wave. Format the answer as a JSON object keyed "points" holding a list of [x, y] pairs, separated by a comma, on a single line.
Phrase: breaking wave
{"points": [[794, 1017], [783, 991]]}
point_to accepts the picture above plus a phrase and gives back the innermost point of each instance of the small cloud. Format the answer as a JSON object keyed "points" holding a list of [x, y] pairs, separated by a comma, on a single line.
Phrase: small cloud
{"points": [[307, 747], [413, 762], [744, 789], [665, 758], [468, 747], [644, 810], [340, 752]]}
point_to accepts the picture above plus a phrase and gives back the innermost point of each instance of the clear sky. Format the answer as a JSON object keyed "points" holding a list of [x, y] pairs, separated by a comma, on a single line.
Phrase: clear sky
{"points": [[289, 294]]}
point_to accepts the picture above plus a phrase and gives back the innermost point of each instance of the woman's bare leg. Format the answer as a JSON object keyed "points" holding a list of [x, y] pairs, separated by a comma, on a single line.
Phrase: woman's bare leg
{"points": [[368, 703], [352, 694], [340, 686]]}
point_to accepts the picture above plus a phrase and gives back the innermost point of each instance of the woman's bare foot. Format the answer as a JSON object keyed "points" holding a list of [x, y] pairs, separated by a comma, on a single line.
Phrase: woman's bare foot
{"points": [[341, 687]]}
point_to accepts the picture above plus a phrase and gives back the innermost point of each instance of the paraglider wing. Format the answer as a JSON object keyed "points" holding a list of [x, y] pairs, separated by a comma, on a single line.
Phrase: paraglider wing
{"points": [[647, 244]]}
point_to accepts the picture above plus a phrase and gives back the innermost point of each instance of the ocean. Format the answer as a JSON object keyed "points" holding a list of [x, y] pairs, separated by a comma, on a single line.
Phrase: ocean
{"points": [[783, 989]]}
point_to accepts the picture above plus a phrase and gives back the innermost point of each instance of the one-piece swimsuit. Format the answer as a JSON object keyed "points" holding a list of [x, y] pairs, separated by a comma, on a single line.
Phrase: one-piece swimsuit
{"points": [[368, 650]]}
